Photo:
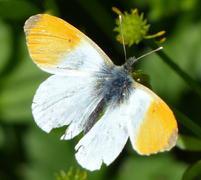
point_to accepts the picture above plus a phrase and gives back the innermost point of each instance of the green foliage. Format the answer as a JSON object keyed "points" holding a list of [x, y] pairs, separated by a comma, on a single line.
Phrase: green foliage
{"points": [[71, 175], [12, 10], [189, 143], [193, 172], [159, 166]]}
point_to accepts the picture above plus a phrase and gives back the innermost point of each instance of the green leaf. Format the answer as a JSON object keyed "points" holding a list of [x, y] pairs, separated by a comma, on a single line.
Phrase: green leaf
{"points": [[193, 172], [142, 78], [189, 143]]}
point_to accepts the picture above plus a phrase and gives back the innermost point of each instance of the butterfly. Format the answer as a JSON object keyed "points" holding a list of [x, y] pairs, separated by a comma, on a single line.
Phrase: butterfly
{"points": [[89, 93]]}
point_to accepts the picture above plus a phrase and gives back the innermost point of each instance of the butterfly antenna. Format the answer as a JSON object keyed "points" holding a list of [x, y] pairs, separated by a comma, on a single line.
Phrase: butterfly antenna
{"points": [[155, 50], [122, 33], [132, 60]]}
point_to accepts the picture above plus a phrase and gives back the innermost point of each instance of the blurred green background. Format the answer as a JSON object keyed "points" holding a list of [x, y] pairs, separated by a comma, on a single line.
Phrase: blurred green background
{"points": [[28, 153]]}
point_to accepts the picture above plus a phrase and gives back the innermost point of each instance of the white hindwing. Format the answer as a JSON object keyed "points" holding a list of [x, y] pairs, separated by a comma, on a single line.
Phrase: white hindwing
{"points": [[106, 139], [61, 100]]}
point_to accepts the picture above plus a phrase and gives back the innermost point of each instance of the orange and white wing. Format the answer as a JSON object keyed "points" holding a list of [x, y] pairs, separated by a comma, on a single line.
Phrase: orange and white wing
{"points": [[142, 116], [152, 127], [59, 48]]}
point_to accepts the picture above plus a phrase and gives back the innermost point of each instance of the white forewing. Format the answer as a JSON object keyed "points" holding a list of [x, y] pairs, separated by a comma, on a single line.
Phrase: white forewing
{"points": [[62, 100], [104, 142]]}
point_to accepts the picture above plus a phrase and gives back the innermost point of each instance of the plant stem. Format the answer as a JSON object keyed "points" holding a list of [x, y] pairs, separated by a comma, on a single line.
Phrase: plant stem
{"points": [[196, 129], [190, 81]]}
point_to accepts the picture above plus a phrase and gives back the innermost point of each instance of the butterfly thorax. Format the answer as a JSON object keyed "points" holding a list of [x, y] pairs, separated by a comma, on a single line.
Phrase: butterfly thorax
{"points": [[119, 84]]}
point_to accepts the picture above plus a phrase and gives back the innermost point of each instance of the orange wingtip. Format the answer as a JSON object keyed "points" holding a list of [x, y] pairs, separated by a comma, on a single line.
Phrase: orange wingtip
{"points": [[50, 39], [159, 131]]}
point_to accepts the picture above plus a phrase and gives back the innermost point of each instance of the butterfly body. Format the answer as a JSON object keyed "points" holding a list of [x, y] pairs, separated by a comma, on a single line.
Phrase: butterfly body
{"points": [[115, 87], [86, 83]]}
